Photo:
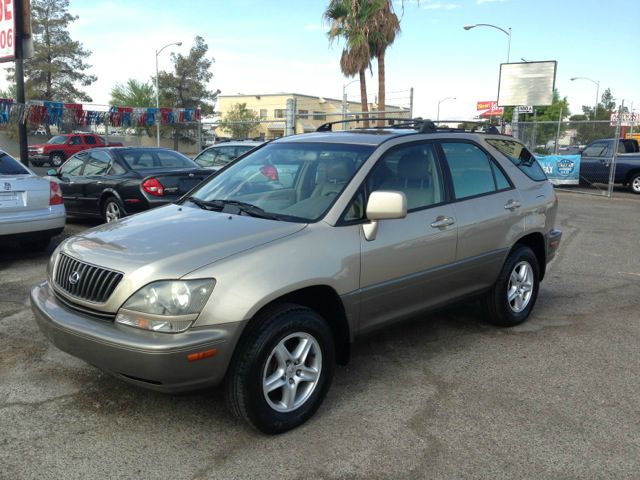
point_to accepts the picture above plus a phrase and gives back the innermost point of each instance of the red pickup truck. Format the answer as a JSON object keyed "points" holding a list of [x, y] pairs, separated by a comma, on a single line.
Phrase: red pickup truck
{"points": [[61, 147]]}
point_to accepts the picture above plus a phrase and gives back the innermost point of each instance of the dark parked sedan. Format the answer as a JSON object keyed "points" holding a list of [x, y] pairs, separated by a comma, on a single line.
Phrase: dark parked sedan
{"points": [[111, 183]]}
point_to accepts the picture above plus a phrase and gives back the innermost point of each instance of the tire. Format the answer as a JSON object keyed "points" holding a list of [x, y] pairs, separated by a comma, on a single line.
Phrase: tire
{"points": [[512, 297], [35, 164], [264, 366], [634, 184], [112, 210], [56, 159], [35, 244]]}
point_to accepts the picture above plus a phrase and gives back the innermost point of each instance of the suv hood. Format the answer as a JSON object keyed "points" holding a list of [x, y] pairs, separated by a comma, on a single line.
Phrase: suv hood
{"points": [[171, 241]]}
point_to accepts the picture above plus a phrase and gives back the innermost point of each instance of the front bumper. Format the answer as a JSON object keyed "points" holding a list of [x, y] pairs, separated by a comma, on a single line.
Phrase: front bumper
{"points": [[38, 157], [553, 243], [157, 361]]}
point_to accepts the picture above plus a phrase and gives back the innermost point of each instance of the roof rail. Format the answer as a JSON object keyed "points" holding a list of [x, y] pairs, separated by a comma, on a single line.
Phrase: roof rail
{"points": [[479, 127], [414, 123]]}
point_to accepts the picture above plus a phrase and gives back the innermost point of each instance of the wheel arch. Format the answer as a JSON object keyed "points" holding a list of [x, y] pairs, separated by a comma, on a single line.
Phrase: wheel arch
{"points": [[535, 241], [110, 192], [326, 302], [630, 175]]}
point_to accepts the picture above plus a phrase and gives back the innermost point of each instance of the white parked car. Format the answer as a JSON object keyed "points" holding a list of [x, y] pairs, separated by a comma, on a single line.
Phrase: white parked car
{"points": [[31, 207]]}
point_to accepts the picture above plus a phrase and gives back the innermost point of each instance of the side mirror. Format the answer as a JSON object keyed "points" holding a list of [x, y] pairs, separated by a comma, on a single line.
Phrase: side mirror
{"points": [[52, 172], [383, 205]]}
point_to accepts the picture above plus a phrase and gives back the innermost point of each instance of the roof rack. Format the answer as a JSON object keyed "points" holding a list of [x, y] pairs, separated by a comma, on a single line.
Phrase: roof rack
{"points": [[419, 124]]}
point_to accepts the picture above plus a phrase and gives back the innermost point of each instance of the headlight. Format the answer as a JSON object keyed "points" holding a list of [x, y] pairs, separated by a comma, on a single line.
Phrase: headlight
{"points": [[166, 306], [40, 150]]}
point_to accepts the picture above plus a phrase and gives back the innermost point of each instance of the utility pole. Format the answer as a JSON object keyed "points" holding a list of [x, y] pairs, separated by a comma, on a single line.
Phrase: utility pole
{"points": [[18, 13]]}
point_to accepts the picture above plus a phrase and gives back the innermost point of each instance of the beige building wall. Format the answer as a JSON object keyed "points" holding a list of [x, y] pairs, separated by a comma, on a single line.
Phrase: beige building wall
{"points": [[310, 112]]}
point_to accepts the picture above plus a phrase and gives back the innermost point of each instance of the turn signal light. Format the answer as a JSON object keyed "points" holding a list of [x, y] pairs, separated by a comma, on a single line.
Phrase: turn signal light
{"points": [[55, 194], [153, 187], [192, 357]]}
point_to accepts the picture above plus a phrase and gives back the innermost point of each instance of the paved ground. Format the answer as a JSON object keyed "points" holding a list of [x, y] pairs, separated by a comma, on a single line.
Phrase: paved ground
{"points": [[444, 396]]}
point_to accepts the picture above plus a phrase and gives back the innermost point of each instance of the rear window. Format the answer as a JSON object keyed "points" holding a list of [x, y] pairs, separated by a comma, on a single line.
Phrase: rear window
{"points": [[10, 166], [520, 157], [149, 159]]}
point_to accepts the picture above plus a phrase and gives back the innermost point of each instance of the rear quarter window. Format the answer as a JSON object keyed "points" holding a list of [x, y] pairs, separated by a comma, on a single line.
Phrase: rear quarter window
{"points": [[10, 166], [520, 157]]}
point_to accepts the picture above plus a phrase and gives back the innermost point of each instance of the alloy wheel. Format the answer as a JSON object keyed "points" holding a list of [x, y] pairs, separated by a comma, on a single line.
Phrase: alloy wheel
{"points": [[520, 287], [112, 212], [291, 372]]}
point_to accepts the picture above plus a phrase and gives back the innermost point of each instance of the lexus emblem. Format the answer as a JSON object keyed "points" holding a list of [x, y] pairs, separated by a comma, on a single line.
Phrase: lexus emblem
{"points": [[74, 278], [7, 186]]}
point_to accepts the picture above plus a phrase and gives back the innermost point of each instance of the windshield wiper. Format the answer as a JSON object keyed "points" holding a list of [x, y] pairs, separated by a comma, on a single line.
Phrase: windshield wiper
{"points": [[233, 207]]}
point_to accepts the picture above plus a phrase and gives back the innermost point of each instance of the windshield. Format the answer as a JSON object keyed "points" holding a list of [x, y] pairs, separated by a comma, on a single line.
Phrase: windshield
{"points": [[58, 140], [291, 181]]}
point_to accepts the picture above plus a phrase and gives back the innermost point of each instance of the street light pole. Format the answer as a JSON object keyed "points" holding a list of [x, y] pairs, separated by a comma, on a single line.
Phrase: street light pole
{"points": [[597, 84], [439, 102], [158, 91], [344, 98], [506, 32]]}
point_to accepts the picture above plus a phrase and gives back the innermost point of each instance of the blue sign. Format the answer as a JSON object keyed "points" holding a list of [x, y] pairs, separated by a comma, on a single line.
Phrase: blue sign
{"points": [[561, 169]]}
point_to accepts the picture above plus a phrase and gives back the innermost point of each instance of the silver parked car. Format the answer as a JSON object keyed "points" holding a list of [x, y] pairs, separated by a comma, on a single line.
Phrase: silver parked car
{"points": [[31, 207], [262, 277]]}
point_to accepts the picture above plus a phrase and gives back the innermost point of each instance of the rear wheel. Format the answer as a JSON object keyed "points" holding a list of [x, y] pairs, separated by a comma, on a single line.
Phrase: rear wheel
{"points": [[56, 159], [282, 369], [512, 297], [634, 184], [112, 210]]}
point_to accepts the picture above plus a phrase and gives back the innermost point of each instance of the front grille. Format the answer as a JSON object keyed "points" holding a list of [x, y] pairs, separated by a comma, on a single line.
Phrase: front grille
{"points": [[83, 310], [92, 283]]}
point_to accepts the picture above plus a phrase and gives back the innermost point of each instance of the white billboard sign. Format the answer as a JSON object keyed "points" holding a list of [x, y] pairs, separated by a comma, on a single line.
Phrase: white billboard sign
{"points": [[7, 31], [528, 83]]}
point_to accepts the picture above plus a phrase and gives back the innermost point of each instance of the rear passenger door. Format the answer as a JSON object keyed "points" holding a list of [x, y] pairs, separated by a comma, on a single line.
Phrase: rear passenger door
{"points": [[405, 268], [69, 174], [488, 212], [94, 181]]}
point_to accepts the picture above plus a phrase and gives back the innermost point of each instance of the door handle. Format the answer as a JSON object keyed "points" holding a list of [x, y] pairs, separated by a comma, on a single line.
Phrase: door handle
{"points": [[442, 222], [512, 205]]}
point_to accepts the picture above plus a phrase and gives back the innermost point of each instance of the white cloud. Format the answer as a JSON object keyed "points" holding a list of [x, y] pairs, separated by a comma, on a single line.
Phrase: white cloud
{"points": [[441, 6]]}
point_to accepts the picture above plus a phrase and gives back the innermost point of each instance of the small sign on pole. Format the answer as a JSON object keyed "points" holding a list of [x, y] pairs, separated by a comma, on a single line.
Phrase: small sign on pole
{"points": [[525, 109], [7, 31], [627, 120]]}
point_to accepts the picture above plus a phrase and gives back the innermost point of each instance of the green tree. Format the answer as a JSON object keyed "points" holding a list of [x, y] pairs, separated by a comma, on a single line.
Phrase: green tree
{"points": [[590, 130], [240, 121], [385, 27], [348, 22], [58, 63], [187, 85], [133, 94]]}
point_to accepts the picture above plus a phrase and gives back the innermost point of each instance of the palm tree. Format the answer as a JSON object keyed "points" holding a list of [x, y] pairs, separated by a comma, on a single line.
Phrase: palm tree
{"points": [[133, 94], [348, 21], [384, 29]]}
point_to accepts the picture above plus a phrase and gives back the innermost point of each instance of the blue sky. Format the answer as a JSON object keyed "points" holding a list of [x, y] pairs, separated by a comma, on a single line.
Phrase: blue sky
{"points": [[270, 46]]}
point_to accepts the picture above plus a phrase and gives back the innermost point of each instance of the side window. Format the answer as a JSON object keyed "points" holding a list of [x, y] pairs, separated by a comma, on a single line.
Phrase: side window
{"points": [[73, 166], [471, 170], [205, 159], [116, 169], [97, 164], [76, 140], [595, 150], [89, 140], [501, 180], [224, 155], [413, 170]]}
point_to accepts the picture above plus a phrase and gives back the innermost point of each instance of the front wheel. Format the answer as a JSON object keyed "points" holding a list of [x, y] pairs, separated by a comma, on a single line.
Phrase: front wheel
{"points": [[634, 184], [112, 210], [56, 159], [512, 297], [282, 369]]}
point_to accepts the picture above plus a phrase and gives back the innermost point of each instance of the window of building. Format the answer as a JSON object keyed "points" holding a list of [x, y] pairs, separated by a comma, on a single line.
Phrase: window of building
{"points": [[319, 115], [280, 112], [263, 114], [303, 114]]}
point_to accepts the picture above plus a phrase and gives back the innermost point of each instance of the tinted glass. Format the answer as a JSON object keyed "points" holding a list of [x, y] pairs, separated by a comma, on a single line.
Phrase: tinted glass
{"points": [[205, 159], [116, 169], [58, 140], [76, 141], [520, 157], [147, 159], [97, 164], [297, 182], [10, 166], [595, 150], [73, 166], [413, 170], [90, 140], [501, 180], [471, 170]]}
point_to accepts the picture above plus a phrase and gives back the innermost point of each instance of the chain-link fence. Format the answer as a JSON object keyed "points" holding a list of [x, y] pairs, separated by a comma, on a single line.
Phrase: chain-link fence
{"points": [[589, 157]]}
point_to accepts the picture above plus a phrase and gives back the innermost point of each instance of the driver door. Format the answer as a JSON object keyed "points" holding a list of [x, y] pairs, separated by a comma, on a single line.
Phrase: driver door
{"points": [[68, 175]]}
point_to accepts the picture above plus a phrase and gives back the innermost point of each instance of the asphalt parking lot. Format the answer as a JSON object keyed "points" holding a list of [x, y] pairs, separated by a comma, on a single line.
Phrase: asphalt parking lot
{"points": [[442, 396]]}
